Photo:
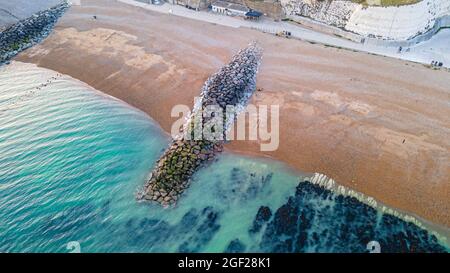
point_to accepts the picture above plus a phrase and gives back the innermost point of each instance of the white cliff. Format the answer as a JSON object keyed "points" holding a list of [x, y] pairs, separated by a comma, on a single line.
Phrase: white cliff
{"points": [[393, 23]]}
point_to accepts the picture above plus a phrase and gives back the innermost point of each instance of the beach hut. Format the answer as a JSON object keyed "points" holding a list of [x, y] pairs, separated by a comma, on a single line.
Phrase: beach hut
{"points": [[253, 15]]}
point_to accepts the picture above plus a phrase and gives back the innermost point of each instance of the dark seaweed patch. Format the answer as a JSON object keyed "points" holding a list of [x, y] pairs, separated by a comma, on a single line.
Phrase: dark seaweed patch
{"points": [[317, 220]]}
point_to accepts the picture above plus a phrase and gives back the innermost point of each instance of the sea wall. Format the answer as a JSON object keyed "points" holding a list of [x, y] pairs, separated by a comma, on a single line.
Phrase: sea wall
{"points": [[323, 27], [28, 32], [232, 85]]}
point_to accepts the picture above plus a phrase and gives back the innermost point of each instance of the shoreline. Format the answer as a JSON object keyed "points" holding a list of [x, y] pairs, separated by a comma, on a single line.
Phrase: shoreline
{"points": [[345, 112], [311, 34], [441, 233]]}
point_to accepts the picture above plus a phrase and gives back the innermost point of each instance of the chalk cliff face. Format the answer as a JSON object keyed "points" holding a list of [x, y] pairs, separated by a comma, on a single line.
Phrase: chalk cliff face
{"points": [[398, 23], [335, 13], [393, 23]]}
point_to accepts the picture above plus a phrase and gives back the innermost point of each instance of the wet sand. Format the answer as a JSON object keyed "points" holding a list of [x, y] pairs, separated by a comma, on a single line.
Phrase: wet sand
{"points": [[377, 125]]}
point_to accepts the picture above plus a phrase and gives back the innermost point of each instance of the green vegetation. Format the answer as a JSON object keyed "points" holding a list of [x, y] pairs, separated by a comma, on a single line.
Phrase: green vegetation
{"points": [[386, 3], [398, 2], [15, 46]]}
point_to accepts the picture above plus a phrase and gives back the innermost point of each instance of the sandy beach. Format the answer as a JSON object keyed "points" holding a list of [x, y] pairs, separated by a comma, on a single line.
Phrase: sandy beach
{"points": [[377, 125]]}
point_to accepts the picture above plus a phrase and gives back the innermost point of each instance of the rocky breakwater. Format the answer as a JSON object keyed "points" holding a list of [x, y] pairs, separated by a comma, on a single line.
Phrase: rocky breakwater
{"points": [[29, 32], [232, 86]]}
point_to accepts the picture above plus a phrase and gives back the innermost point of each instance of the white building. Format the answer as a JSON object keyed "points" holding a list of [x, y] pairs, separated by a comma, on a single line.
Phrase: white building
{"points": [[228, 8]]}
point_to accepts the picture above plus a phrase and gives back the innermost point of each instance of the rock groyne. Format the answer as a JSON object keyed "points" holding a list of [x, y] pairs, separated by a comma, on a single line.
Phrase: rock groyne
{"points": [[233, 86], [29, 32]]}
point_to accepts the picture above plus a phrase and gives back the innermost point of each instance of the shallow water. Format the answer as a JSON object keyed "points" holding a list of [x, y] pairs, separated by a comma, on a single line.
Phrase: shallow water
{"points": [[72, 160]]}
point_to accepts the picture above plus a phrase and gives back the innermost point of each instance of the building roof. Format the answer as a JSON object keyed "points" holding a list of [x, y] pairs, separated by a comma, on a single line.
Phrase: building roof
{"points": [[230, 6], [253, 13]]}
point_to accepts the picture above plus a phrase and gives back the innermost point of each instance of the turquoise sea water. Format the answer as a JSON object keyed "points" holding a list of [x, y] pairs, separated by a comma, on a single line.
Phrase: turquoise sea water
{"points": [[72, 159]]}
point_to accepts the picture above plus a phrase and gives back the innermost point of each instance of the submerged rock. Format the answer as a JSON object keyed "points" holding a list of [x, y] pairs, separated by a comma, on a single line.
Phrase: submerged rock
{"points": [[206, 227], [235, 246], [316, 219], [263, 215], [244, 187]]}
